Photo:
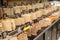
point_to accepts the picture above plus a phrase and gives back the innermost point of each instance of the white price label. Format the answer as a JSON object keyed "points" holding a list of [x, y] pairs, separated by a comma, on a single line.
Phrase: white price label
{"points": [[47, 19], [0, 24], [55, 3]]}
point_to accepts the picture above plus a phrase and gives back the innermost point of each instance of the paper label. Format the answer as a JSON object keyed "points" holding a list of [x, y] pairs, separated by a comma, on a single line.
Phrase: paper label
{"points": [[54, 14], [48, 19], [26, 28], [0, 24]]}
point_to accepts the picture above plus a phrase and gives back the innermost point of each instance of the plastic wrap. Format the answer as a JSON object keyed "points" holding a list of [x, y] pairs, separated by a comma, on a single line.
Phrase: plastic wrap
{"points": [[8, 11], [35, 28], [27, 17], [22, 36], [19, 21], [8, 24], [17, 9]]}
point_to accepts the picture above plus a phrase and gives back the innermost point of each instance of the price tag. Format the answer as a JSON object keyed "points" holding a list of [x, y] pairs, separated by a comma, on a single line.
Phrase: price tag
{"points": [[0, 24], [47, 19], [26, 28]]}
